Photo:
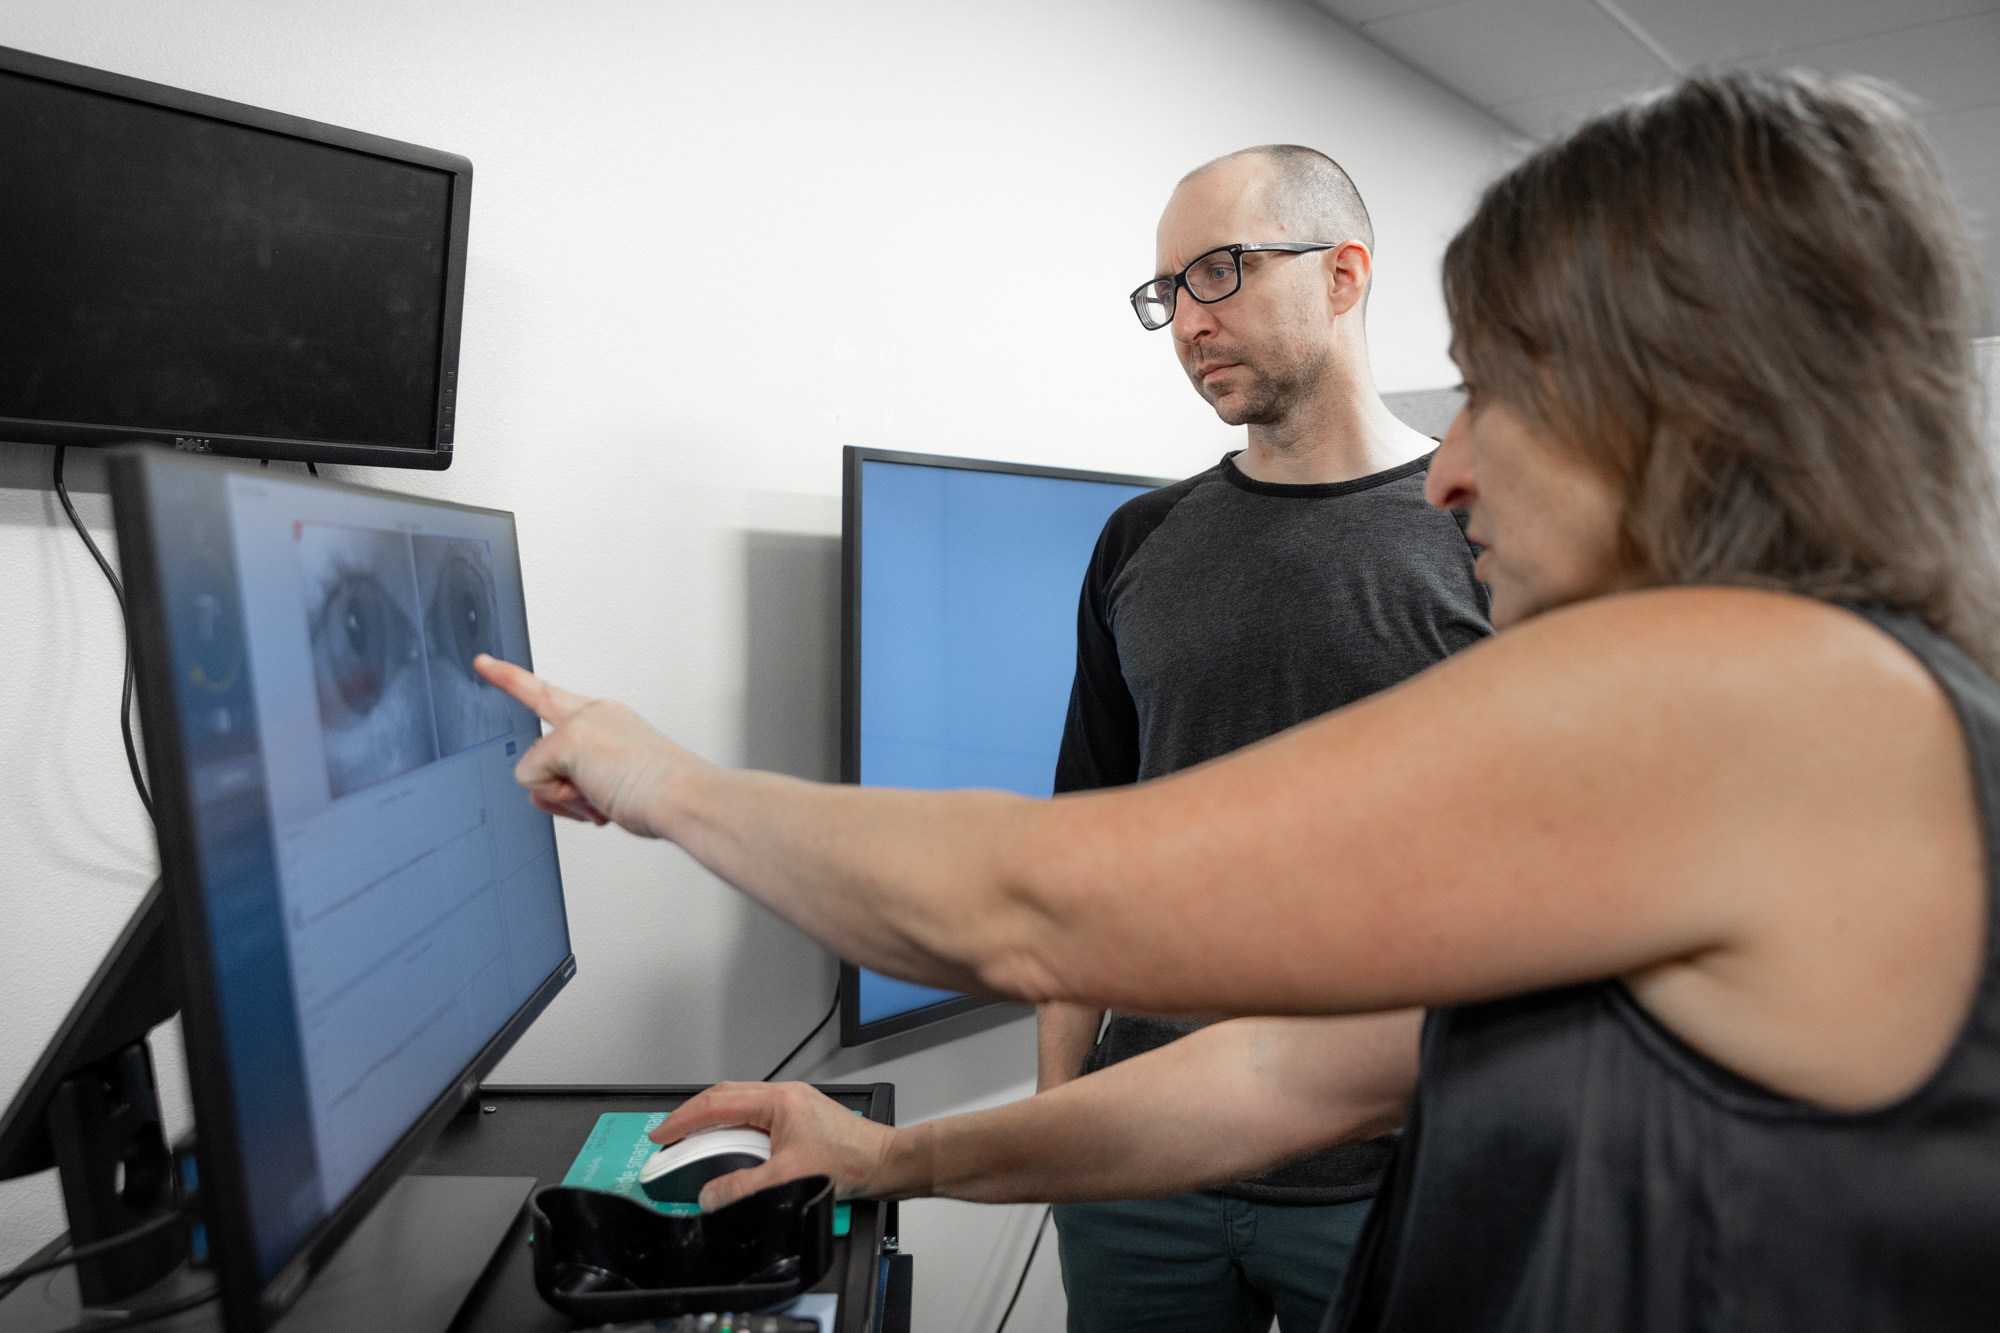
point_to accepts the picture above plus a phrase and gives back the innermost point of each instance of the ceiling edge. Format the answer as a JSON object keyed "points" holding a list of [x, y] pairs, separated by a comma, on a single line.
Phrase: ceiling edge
{"points": [[1521, 137]]}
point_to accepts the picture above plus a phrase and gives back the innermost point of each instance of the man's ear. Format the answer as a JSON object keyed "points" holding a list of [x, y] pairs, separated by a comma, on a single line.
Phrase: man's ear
{"points": [[1349, 270]]}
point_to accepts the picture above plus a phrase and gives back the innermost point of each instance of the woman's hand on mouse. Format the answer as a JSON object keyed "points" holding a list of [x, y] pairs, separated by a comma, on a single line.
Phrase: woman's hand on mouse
{"points": [[811, 1135], [600, 762]]}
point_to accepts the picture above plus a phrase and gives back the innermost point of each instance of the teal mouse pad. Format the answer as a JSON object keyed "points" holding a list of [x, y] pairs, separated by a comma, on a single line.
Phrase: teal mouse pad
{"points": [[618, 1147]]}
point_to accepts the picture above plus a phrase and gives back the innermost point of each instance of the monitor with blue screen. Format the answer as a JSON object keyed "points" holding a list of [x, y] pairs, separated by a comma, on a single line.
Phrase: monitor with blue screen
{"points": [[371, 909], [960, 585]]}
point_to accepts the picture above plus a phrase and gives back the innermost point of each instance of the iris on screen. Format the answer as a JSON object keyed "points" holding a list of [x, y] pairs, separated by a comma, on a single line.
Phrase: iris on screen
{"points": [[460, 622]]}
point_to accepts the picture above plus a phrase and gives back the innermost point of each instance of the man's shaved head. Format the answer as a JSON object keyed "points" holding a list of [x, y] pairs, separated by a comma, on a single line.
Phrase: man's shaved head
{"points": [[1267, 347], [1307, 191]]}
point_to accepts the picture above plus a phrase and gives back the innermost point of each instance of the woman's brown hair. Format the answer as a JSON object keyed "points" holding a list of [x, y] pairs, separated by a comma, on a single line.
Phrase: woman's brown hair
{"points": [[1751, 301]]}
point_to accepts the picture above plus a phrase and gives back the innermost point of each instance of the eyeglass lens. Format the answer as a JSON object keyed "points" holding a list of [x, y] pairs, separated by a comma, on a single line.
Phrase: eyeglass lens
{"points": [[1155, 303], [1214, 276], [1210, 278]]}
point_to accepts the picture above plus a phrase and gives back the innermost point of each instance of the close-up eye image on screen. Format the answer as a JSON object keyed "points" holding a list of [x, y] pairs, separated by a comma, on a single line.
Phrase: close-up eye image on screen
{"points": [[367, 652], [455, 583]]}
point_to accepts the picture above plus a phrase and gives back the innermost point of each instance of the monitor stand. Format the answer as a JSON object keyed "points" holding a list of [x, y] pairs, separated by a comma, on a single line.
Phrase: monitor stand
{"points": [[406, 1269]]}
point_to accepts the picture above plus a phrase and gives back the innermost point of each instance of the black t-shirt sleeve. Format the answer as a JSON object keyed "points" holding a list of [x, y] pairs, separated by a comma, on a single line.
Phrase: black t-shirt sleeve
{"points": [[1100, 743]]}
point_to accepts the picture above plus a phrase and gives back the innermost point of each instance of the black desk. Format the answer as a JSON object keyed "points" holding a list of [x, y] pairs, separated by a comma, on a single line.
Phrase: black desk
{"points": [[537, 1131], [532, 1132]]}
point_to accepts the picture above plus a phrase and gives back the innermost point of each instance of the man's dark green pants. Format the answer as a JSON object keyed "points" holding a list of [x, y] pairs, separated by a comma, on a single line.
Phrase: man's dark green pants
{"points": [[1201, 1263]]}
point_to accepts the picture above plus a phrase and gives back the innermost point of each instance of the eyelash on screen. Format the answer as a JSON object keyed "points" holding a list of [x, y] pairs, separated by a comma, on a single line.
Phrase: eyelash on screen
{"points": [[341, 567]]}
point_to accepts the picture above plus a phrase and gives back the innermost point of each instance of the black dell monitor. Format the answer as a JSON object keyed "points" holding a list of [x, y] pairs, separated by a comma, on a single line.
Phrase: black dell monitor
{"points": [[220, 278], [364, 909], [959, 594]]}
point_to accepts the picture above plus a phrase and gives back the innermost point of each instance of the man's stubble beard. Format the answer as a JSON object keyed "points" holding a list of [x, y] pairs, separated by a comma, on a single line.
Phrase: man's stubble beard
{"points": [[1270, 397]]}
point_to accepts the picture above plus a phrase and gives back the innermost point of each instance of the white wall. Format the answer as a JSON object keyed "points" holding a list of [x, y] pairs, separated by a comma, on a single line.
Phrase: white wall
{"points": [[710, 245]]}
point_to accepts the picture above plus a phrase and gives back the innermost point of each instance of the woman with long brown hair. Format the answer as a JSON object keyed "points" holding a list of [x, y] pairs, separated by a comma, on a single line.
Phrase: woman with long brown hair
{"points": [[1693, 864]]}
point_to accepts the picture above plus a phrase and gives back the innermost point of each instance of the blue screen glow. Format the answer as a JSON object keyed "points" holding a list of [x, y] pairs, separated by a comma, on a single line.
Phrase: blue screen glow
{"points": [[968, 597]]}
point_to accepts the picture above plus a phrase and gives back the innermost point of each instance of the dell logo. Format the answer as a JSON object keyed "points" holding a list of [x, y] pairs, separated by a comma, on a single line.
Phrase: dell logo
{"points": [[193, 444]]}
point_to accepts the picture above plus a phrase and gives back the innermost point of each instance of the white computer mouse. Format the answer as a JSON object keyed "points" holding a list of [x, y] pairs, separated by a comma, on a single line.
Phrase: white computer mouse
{"points": [[676, 1173]]}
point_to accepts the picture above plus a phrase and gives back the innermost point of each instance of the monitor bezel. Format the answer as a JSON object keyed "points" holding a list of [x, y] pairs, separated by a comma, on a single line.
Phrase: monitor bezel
{"points": [[248, 1302], [444, 406], [854, 1032]]}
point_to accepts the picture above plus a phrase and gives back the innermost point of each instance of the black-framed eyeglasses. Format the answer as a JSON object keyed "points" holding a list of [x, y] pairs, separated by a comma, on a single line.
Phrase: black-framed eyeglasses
{"points": [[1211, 278]]}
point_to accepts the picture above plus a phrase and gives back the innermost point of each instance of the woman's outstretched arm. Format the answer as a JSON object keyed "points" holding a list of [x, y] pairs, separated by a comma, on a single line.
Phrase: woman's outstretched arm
{"points": [[1716, 781]]}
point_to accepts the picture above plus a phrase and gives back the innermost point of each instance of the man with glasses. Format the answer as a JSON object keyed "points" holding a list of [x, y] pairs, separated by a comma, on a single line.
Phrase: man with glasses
{"points": [[1297, 575]]}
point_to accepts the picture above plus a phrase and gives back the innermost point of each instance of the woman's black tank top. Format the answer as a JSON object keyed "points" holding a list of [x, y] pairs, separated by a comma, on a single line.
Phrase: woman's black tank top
{"points": [[1570, 1164]]}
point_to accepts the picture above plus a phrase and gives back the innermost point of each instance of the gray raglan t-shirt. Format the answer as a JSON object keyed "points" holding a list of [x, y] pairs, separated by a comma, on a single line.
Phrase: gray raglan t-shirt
{"points": [[1221, 610]]}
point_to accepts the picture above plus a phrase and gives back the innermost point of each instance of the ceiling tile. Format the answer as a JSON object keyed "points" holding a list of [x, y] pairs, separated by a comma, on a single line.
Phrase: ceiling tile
{"points": [[1496, 51], [1950, 64], [1703, 31], [1546, 117], [1359, 12]]}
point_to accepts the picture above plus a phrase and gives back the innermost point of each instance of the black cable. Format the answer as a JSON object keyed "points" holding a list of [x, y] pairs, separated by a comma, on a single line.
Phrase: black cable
{"points": [[117, 588], [114, 1318], [1040, 1227], [312, 467], [118, 591], [90, 1251], [808, 1037]]}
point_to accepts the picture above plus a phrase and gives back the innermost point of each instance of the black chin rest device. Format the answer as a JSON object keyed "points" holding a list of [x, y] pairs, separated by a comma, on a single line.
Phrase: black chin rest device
{"points": [[603, 1258]]}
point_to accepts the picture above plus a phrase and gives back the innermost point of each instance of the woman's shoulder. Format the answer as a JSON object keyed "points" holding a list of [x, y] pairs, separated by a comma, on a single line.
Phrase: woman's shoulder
{"points": [[1827, 760], [1749, 640]]}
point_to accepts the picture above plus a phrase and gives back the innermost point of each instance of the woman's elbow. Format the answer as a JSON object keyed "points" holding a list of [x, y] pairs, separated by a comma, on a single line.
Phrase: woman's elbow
{"points": [[1023, 935]]}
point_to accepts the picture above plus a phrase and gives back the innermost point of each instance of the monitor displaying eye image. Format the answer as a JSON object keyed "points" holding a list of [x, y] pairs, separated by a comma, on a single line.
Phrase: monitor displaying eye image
{"points": [[380, 908]]}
